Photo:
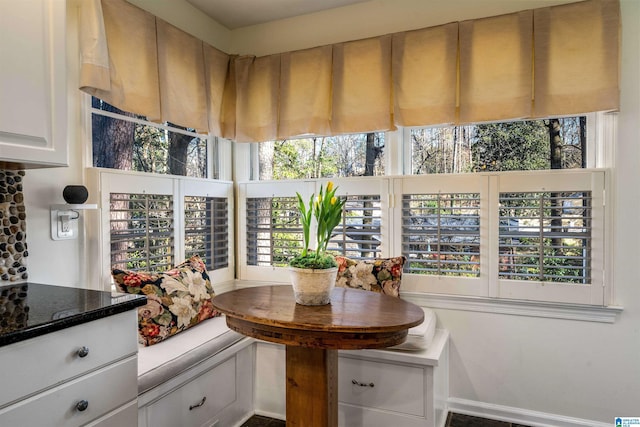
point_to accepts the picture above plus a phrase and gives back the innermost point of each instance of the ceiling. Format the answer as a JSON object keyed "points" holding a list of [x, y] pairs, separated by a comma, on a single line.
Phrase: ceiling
{"points": [[242, 13]]}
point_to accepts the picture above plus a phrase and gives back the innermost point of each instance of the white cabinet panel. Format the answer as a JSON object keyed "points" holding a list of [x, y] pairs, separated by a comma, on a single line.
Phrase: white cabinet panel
{"points": [[382, 385], [52, 358], [47, 377], [198, 401], [403, 388], [33, 114], [64, 406], [124, 416]]}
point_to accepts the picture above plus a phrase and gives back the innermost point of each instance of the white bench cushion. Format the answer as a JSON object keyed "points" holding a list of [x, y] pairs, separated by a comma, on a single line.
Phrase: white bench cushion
{"points": [[421, 336], [163, 361]]}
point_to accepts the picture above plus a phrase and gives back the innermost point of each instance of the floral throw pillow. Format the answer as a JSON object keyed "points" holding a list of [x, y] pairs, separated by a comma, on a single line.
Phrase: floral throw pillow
{"points": [[176, 299], [381, 275]]}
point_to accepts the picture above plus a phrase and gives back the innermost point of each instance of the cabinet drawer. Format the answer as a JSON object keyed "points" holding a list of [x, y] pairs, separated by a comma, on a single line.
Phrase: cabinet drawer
{"points": [[198, 401], [103, 390], [45, 361], [382, 385], [124, 416]]}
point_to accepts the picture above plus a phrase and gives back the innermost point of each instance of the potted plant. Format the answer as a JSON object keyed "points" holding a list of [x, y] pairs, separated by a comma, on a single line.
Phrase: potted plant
{"points": [[313, 272]]}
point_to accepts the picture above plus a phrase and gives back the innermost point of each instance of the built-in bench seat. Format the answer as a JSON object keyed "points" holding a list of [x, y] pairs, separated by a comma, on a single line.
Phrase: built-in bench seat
{"points": [[206, 373], [167, 359], [161, 362], [196, 377]]}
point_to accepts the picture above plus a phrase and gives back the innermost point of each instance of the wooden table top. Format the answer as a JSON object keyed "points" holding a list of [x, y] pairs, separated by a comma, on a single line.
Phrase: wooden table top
{"points": [[354, 319]]}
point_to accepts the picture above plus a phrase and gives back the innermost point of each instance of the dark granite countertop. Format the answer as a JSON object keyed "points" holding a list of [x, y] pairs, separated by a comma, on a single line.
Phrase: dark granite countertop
{"points": [[28, 310]]}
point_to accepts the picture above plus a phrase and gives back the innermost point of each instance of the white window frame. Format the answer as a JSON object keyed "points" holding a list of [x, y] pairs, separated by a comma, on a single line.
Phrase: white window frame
{"points": [[224, 145], [489, 186], [423, 184], [107, 181], [346, 186], [495, 295]]}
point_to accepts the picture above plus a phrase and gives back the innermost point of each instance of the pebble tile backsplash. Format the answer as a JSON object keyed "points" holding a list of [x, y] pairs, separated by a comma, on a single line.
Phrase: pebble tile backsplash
{"points": [[13, 228]]}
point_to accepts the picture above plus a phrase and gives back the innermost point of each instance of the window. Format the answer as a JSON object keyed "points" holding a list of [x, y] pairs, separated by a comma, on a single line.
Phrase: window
{"points": [[545, 236], [274, 231], [501, 210], [521, 145], [142, 231], [159, 205], [359, 234], [126, 141], [322, 157], [206, 229], [441, 234], [153, 222]]}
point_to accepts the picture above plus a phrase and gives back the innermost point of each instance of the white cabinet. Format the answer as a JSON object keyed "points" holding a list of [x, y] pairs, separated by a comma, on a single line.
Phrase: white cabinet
{"points": [[33, 106], [376, 388], [215, 392], [85, 374], [383, 388]]}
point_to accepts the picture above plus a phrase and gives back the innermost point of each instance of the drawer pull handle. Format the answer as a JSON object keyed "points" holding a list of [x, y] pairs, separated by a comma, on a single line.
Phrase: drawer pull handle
{"points": [[82, 405], [358, 383], [83, 352], [197, 405]]}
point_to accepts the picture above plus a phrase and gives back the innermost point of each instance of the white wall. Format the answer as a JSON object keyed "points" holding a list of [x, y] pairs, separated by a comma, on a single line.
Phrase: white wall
{"points": [[184, 15], [560, 367], [367, 19]]}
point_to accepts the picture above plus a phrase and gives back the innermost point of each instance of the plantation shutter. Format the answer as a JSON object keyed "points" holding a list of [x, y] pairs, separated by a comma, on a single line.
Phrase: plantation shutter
{"points": [[359, 234], [142, 231], [206, 230], [274, 230], [441, 233]]}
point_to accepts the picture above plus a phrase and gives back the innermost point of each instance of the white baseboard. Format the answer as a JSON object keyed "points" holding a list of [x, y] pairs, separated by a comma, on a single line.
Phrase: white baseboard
{"points": [[518, 415]]}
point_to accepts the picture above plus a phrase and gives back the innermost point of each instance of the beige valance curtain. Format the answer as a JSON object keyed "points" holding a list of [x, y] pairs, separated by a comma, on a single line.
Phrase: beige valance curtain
{"points": [[495, 68], [216, 66], [545, 62], [182, 78], [94, 64], [257, 87], [425, 75], [154, 69], [362, 86], [305, 92], [577, 57], [130, 35]]}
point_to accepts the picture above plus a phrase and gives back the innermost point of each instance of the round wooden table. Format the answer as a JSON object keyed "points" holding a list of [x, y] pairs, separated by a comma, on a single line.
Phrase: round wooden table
{"points": [[354, 319]]}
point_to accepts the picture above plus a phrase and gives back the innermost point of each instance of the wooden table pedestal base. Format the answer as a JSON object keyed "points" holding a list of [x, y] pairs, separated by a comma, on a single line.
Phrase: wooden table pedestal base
{"points": [[312, 387]]}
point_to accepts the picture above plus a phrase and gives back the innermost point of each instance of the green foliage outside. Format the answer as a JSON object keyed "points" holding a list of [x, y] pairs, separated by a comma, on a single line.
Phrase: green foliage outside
{"points": [[511, 147]]}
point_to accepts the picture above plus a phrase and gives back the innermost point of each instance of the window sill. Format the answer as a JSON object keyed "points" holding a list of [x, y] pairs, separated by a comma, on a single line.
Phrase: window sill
{"points": [[515, 307]]}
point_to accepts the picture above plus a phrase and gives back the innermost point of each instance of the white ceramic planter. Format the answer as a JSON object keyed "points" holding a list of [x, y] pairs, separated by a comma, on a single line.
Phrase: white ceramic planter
{"points": [[313, 286]]}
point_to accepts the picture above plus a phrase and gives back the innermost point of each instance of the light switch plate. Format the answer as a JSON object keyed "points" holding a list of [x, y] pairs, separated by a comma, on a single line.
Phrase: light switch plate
{"points": [[64, 224]]}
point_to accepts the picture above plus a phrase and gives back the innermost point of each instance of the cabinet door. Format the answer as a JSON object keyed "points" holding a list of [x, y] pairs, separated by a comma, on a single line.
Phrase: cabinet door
{"points": [[198, 402], [33, 115], [79, 401]]}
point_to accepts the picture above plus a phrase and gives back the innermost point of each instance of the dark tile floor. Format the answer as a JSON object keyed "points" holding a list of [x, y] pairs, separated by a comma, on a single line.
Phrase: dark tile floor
{"points": [[260, 421], [453, 420]]}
